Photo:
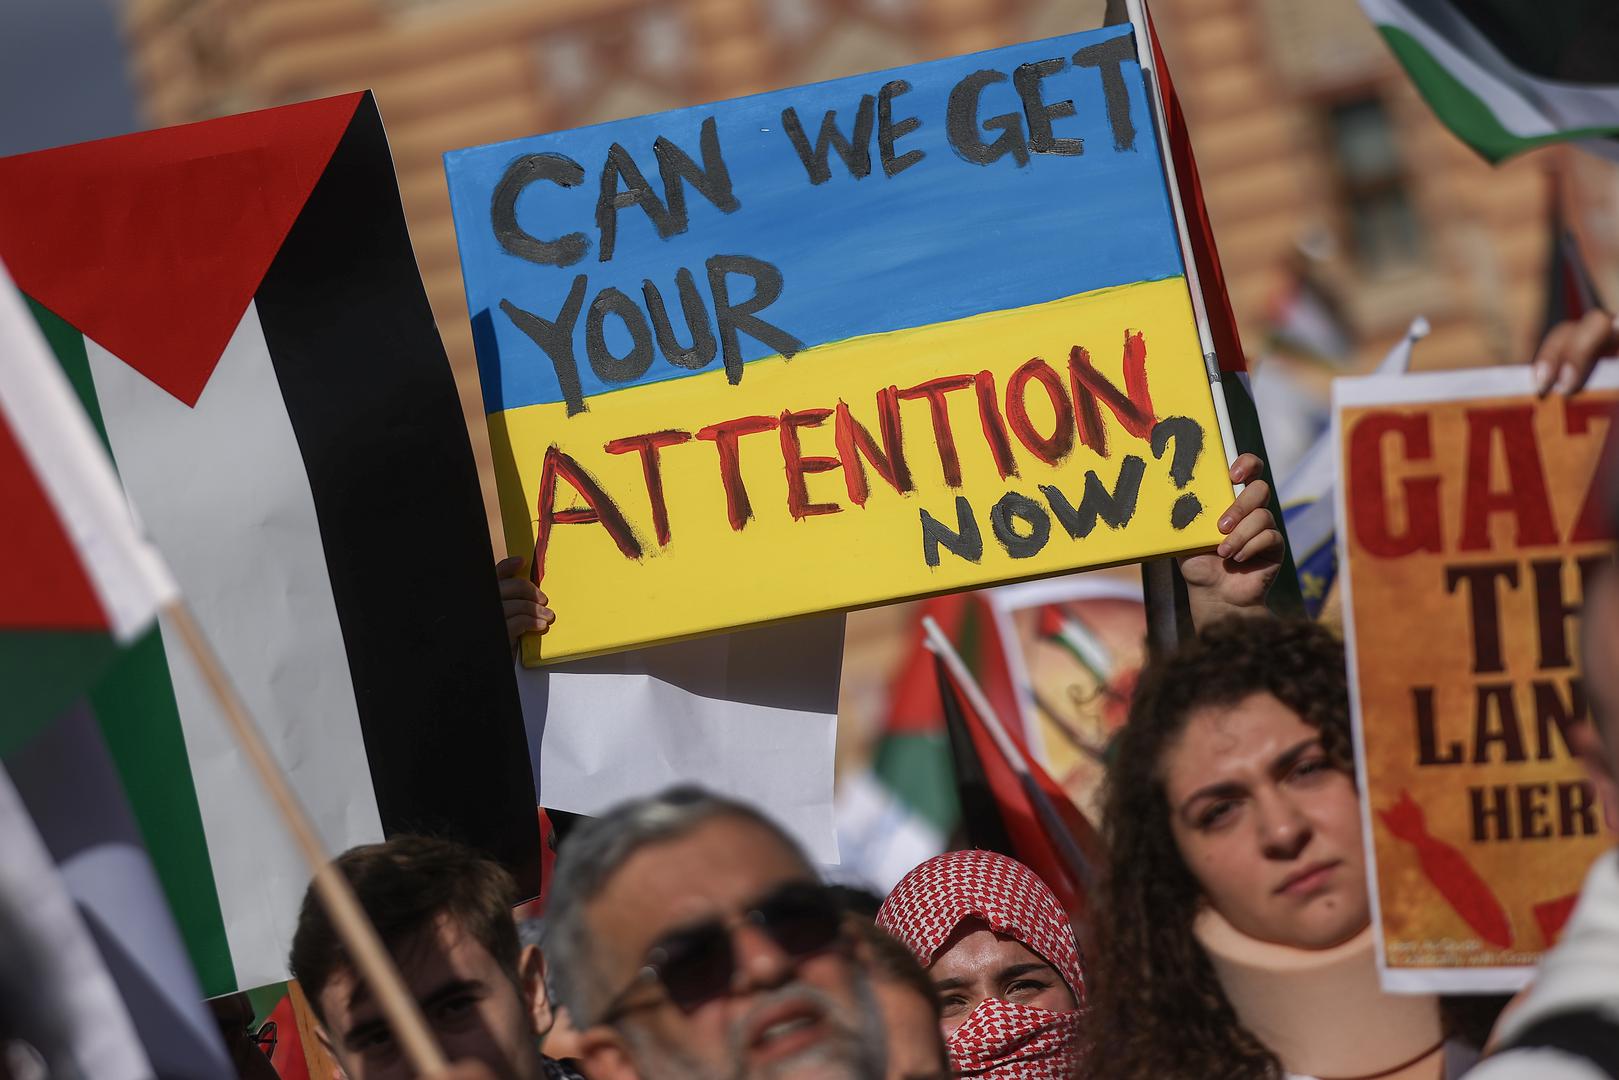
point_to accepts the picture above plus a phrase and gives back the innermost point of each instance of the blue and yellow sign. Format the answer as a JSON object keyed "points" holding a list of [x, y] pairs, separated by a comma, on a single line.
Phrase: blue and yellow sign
{"points": [[892, 335]]}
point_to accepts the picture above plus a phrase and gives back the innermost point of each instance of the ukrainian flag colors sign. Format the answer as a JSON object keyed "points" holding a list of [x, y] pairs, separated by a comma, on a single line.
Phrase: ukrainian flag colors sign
{"points": [[892, 335]]}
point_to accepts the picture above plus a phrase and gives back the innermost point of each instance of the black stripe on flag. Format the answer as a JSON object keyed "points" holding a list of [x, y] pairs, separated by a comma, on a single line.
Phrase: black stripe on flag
{"points": [[368, 389], [1570, 41]]}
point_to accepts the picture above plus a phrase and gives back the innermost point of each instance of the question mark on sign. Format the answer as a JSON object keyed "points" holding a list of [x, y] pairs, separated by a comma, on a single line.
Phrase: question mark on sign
{"points": [[1188, 437]]}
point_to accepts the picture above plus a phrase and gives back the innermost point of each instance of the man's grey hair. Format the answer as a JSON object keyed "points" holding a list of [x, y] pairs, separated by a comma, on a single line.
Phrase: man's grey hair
{"points": [[594, 851]]}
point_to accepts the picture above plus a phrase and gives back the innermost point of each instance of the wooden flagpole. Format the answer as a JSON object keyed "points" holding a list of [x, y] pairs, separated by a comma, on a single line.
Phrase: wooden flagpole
{"points": [[371, 960]]}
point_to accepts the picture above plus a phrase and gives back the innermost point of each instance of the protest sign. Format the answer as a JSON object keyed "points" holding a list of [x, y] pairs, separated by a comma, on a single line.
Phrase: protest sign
{"points": [[1074, 647], [886, 336], [237, 305], [1470, 519]]}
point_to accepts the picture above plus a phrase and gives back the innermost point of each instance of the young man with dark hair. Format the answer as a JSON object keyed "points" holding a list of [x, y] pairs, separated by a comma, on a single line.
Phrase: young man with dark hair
{"points": [[445, 914]]}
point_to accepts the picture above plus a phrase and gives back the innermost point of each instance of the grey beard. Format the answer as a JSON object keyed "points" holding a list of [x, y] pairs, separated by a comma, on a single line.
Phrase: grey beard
{"points": [[856, 1051]]}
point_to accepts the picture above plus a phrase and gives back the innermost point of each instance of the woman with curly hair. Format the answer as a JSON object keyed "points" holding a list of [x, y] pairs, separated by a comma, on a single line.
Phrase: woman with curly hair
{"points": [[1235, 934]]}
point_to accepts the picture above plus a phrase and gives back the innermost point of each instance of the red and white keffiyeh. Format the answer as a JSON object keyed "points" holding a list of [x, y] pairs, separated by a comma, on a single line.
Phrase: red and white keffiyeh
{"points": [[1000, 1040]]}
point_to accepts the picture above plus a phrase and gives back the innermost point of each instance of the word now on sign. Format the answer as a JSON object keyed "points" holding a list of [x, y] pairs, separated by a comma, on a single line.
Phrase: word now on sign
{"points": [[891, 335]]}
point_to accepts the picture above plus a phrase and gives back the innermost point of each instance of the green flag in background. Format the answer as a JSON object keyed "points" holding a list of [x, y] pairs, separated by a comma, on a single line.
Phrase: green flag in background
{"points": [[1507, 76]]}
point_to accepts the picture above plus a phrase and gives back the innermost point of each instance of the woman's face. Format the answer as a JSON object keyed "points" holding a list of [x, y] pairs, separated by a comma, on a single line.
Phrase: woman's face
{"points": [[977, 963], [1268, 824]]}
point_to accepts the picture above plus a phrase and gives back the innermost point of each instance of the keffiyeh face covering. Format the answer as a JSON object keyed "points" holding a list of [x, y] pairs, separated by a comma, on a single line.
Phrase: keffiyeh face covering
{"points": [[1000, 1040]]}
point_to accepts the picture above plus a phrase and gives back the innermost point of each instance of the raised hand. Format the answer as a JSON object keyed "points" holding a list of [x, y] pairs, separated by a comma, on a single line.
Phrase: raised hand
{"points": [[1234, 578], [521, 601]]}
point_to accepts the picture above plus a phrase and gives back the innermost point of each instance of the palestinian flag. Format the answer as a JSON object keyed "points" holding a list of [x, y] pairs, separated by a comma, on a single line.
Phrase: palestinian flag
{"points": [[1010, 804], [77, 581], [237, 304], [907, 805], [1507, 76], [913, 755]]}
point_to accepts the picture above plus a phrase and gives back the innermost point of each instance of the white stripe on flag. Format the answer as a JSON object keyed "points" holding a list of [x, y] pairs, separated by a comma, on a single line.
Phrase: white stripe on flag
{"points": [[1514, 114], [39, 406], [225, 487]]}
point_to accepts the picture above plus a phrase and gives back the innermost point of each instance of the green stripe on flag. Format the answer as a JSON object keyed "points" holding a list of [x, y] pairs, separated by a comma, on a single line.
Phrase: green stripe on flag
{"points": [[43, 672], [68, 345], [1464, 112], [134, 703], [135, 706], [918, 769]]}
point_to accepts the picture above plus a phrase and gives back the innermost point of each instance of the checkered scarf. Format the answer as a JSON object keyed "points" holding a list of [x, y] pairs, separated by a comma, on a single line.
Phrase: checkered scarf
{"points": [[1000, 1040]]}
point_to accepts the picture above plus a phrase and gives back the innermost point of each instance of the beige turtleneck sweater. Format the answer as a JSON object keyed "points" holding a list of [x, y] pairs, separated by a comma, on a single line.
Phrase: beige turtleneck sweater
{"points": [[1322, 1011]]}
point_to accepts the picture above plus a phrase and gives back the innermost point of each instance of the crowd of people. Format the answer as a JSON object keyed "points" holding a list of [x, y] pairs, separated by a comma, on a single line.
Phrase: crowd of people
{"points": [[688, 936]]}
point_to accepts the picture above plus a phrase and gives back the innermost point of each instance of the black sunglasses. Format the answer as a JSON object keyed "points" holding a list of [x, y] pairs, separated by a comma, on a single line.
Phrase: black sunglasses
{"points": [[695, 964]]}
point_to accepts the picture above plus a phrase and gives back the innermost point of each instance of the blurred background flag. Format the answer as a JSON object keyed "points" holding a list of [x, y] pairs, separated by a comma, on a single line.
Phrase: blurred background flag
{"points": [[1508, 76], [1308, 504], [77, 580], [70, 788], [1570, 290], [55, 992], [1009, 803], [907, 805]]}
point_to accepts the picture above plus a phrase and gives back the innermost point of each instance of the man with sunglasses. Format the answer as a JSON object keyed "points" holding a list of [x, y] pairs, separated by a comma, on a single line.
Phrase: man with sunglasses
{"points": [[692, 939]]}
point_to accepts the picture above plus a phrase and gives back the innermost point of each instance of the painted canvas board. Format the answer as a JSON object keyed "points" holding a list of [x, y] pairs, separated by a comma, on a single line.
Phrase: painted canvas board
{"points": [[892, 335], [1470, 520]]}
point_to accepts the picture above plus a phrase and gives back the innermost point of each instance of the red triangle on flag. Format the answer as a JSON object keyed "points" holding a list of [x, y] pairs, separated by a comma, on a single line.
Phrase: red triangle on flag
{"points": [[43, 585], [152, 245]]}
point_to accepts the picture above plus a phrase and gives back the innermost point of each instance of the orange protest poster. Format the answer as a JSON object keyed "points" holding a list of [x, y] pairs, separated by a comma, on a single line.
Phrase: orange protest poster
{"points": [[1470, 517]]}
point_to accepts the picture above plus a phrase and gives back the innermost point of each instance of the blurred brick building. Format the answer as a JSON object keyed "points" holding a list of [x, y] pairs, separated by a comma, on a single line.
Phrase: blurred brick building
{"points": [[1305, 132]]}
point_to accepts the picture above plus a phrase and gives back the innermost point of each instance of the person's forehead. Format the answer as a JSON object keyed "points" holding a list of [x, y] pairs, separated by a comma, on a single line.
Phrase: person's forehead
{"points": [[716, 868], [1231, 741], [980, 951], [439, 953]]}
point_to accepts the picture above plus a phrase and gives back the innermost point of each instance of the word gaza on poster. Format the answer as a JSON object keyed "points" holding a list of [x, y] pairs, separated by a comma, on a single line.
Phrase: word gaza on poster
{"points": [[891, 335], [1470, 522]]}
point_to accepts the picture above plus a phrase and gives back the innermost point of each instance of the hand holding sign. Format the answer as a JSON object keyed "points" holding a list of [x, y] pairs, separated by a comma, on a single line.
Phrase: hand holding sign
{"points": [[1234, 578], [521, 601]]}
